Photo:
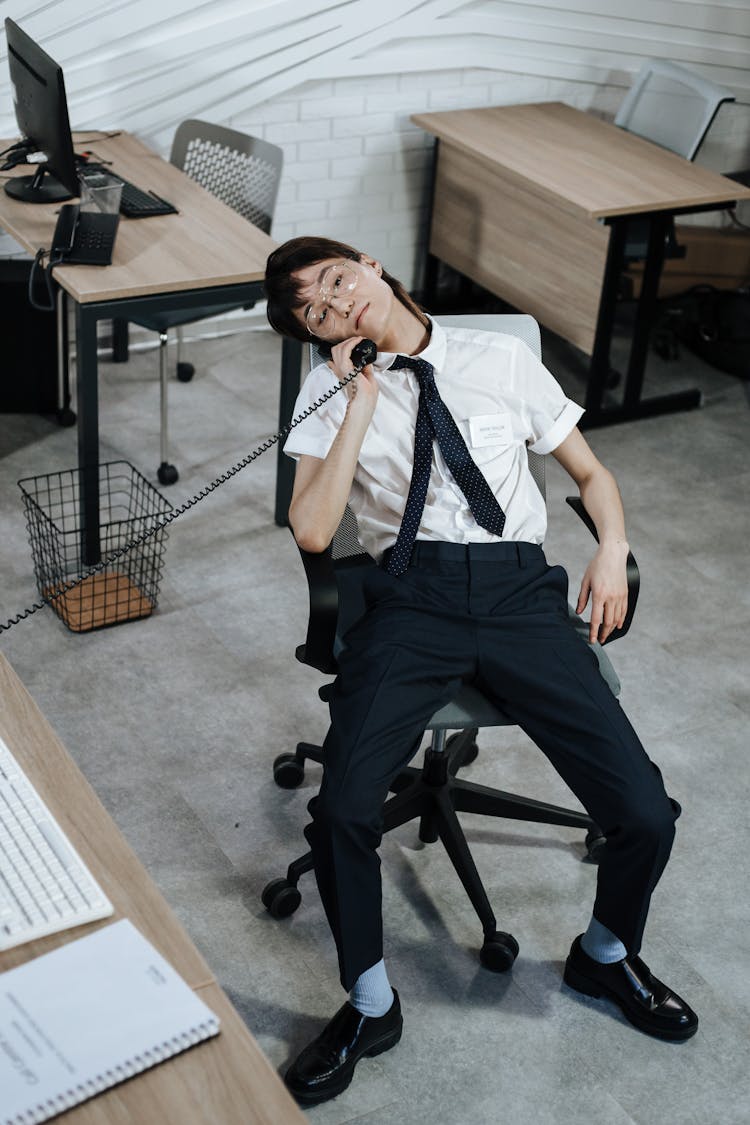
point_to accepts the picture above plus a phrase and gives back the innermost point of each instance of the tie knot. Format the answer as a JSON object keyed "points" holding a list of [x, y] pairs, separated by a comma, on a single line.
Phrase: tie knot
{"points": [[423, 370]]}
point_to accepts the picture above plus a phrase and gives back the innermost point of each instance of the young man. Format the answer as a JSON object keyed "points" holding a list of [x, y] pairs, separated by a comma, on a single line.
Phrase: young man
{"points": [[428, 445]]}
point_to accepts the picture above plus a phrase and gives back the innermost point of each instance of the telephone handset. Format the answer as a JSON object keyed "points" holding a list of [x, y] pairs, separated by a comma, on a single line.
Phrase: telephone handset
{"points": [[83, 237], [362, 354]]}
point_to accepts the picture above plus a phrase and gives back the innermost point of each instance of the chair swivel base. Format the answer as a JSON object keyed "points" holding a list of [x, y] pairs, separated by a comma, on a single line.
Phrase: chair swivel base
{"points": [[434, 795]]}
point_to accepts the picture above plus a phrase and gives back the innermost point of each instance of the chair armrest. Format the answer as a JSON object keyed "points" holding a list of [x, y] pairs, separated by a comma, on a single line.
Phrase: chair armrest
{"points": [[318, 649], [633, 573]]}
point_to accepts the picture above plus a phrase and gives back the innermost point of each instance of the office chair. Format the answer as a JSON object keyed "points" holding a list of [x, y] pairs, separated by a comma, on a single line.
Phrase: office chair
{"points": [[433, 793], [674, 108], [243, 172]]}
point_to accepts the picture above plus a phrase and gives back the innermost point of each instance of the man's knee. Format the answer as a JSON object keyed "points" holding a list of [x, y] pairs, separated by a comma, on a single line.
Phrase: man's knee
{"points": [[650, 820], [347, 812]]}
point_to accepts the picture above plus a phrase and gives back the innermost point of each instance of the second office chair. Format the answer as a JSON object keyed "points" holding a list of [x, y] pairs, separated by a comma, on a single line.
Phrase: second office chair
{"points": [[243, 172]]}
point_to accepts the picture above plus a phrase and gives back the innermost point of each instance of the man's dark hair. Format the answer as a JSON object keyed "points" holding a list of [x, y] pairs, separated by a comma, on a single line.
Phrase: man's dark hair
{"points": [[282, 289]]}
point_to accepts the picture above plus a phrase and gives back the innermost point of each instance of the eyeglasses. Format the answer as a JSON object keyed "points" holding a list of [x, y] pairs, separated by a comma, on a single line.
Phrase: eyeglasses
{"points": [[337, 284]]}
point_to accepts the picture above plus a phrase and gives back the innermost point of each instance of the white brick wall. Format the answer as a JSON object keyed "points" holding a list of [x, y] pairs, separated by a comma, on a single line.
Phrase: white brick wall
{"points": [[355, 166], [357, 169]]}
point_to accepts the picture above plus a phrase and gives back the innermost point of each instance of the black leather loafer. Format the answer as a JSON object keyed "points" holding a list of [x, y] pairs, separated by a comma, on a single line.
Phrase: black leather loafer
{"points": [[644, 1000], [326, 1067]]}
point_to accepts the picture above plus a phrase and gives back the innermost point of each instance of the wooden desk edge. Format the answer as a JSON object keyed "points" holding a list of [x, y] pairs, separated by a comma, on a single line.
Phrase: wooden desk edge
{"points": [[431, 123]]}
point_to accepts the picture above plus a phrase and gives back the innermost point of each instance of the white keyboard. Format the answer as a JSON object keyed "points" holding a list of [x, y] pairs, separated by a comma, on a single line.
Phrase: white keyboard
{"points": [[44, 884]]}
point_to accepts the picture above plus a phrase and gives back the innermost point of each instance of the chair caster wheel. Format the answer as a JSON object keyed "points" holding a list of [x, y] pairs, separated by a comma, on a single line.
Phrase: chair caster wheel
{"points": [[288, 771], [595, 845], [167, 474], [66, 417], [471, 750], [470, 755], [498, 952], [185, 372], [280, 898]]}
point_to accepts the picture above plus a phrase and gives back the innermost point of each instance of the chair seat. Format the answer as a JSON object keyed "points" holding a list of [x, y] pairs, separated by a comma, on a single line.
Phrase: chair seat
{"points": [[469, 708], [162, 322]]}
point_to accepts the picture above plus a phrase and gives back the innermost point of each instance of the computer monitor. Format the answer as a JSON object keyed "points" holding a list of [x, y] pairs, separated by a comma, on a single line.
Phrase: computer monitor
{"points": [[42, 115]]}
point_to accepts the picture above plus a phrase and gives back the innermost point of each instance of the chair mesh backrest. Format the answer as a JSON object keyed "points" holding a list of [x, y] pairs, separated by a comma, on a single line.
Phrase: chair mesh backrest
{"points": [[671, 107], [241, 171], [345, 543]]}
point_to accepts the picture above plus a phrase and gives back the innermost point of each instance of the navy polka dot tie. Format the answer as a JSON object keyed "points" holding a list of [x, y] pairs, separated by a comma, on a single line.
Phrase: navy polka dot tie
{"points": [[434, 420]]}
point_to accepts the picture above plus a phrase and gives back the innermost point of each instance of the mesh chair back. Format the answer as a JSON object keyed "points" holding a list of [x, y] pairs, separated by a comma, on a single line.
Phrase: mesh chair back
{"points": [[671, 106], [242, 171]]}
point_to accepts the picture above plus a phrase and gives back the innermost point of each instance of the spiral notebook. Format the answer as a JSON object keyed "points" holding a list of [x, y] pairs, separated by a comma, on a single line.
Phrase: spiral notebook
{"points": [[89, 1015]]}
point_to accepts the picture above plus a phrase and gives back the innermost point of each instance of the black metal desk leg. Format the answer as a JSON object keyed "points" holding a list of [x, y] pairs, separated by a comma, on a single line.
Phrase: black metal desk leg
{"points": [[645, 310], [633, 406], [291, 361], [65, 415], [120, 341], [431, 270], [599, 368], [88, 433]]}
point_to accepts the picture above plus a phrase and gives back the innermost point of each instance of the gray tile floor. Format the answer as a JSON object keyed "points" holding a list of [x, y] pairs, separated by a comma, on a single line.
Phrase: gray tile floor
{"points": [[176, 720]]}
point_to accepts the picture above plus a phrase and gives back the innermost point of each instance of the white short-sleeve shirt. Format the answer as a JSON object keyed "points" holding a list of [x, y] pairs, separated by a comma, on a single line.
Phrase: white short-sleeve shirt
{"points": [[503, 400]]}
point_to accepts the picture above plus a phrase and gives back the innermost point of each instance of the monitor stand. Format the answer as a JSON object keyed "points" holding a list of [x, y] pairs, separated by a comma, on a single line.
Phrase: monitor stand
{"points": [[42, 187]]}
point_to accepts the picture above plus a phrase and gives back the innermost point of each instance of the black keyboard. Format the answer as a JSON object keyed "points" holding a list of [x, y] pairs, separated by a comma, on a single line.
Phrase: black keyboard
{"points": [[138, 204], [135, 202]]}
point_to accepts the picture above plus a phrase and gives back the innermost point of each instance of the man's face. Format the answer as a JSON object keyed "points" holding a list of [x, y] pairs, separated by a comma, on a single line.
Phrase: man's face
{"points": [[344, 298]]}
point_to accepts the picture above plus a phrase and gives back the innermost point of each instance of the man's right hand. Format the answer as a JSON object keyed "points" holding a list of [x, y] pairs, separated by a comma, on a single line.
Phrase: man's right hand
{"points": [[364, 388]]}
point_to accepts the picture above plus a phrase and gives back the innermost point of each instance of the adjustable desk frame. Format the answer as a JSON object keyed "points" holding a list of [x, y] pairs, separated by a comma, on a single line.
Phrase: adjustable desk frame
{"points": [[632, 405]]}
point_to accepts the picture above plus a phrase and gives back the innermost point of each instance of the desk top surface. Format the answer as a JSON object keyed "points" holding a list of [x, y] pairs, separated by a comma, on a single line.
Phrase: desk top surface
{"points": [[579, 160], [220, 1082], [206, 244]]}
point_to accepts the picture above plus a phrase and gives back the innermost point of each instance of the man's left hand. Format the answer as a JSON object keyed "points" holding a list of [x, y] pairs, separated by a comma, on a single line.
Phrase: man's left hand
{"points": [[605, 581]]}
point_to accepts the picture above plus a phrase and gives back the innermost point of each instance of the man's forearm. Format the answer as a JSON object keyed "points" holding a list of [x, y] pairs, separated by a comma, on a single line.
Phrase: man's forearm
{"points": [[316, 511], [601, 498]]}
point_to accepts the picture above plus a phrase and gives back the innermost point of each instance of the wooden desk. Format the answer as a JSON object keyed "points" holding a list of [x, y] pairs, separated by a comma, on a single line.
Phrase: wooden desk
{"points": [[207, 254], [224, 1081], [532, 202]]}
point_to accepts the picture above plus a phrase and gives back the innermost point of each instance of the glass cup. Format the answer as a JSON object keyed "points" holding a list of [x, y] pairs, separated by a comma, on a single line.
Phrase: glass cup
{"points": [[100, 192]]}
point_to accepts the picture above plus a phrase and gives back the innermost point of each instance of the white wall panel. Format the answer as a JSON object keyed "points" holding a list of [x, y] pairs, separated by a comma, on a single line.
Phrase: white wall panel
{"points": [[334, 83]]}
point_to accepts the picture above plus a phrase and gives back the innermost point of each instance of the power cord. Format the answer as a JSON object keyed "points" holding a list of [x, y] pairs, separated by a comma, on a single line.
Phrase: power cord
{"points": [[36, 266], [360, 354]]}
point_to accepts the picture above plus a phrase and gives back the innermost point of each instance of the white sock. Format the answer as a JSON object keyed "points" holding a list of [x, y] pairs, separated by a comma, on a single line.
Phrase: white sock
{"points": [[372, 994], [600, 944]]}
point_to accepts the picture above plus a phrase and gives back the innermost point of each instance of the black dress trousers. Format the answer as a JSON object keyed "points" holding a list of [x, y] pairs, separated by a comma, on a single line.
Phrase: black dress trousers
{"points": [[497, 615]]}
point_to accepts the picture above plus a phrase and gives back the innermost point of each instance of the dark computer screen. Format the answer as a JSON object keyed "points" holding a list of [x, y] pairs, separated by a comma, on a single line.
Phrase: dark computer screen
{"points": [[41, 110]]}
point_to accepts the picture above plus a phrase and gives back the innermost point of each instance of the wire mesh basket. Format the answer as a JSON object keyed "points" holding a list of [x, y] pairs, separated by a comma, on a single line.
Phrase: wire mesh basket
{"points": [[129, 506]]}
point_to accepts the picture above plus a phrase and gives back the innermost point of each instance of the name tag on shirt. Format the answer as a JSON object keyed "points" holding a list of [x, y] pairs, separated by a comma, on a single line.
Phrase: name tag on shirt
{"points": [[490, 429]]}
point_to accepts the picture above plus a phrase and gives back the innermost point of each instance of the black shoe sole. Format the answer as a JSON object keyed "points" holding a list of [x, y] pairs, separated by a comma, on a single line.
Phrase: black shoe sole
{"points": [[315, 1097], [593, 988]]}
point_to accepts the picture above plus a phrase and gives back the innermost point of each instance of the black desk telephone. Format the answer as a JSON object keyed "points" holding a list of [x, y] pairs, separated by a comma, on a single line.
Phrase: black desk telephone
{"points": [[84, 238]]}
